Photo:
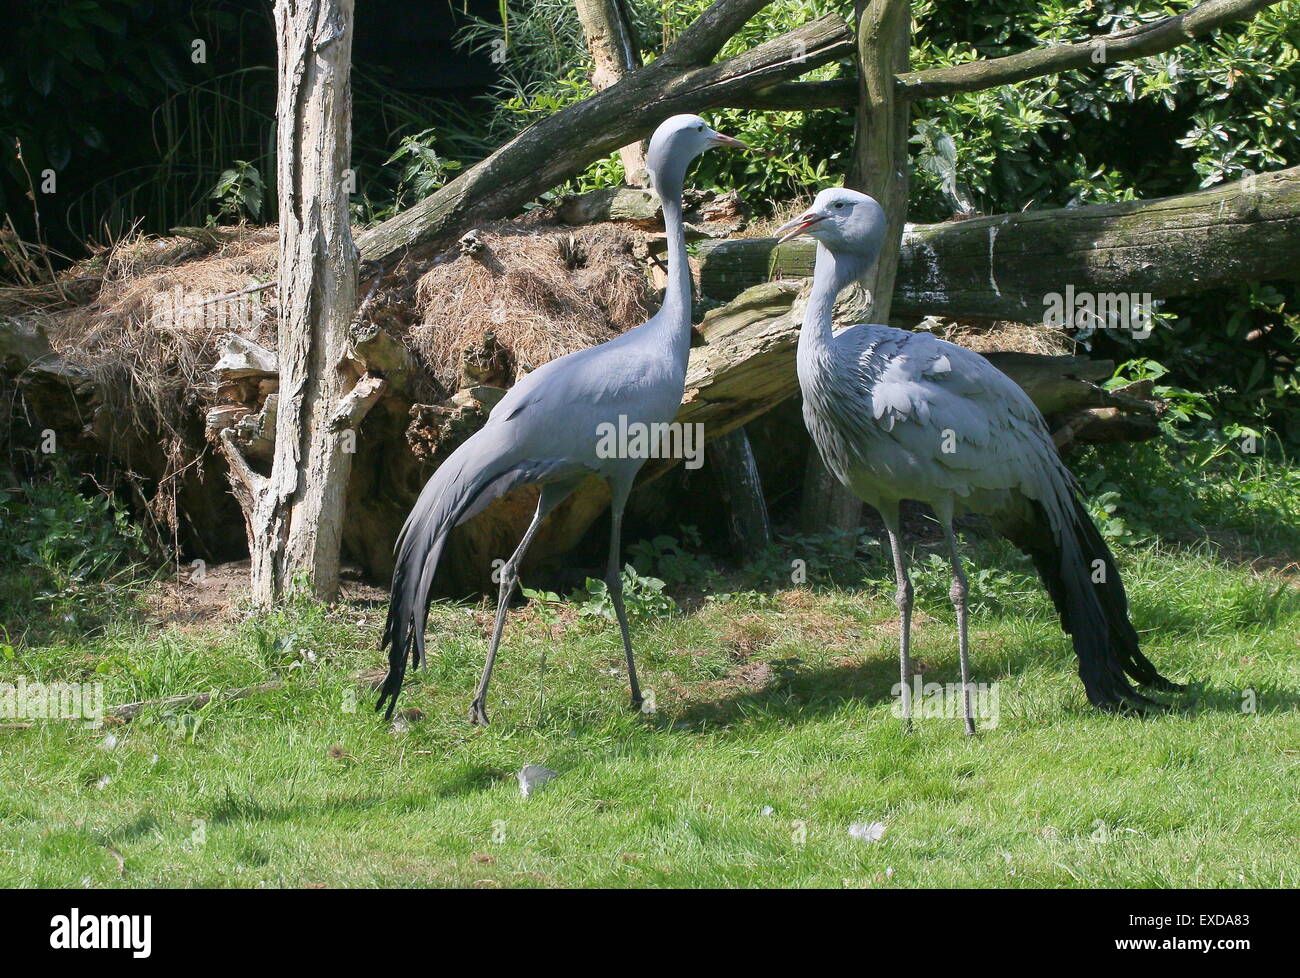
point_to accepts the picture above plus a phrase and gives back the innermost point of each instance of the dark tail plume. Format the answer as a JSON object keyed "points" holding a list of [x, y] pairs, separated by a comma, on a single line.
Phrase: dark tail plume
{"points": [[463, 486], [1079, 572]]}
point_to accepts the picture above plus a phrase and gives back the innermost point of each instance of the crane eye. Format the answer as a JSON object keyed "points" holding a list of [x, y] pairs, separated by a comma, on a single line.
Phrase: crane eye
{"points": [[839, 203], [700, 129]]}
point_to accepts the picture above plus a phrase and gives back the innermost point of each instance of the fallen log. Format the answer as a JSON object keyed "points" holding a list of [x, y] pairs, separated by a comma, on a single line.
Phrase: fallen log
{"points": [[1008, 265]]}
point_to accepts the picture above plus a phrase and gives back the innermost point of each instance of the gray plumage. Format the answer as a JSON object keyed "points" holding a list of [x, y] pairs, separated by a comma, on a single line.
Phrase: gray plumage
{"points": [[545, 432], [899, 415]]}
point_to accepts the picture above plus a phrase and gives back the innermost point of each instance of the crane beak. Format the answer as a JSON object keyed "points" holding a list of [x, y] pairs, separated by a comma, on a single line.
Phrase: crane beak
{"points": [[792, 229], [731, 142]]}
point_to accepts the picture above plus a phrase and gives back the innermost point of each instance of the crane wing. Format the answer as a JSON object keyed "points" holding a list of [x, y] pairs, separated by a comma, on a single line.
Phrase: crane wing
{"points": [[961, 418]]}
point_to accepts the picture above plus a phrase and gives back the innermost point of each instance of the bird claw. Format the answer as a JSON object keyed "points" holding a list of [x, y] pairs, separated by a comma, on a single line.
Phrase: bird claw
{"points": [[478, 714]]}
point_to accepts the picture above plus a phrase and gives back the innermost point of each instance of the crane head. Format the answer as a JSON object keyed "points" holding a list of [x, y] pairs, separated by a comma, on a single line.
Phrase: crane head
{"points": [[841, 219], [677, 141]]}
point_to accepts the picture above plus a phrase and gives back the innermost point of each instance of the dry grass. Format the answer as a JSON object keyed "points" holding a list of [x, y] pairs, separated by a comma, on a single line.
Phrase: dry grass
{"points": [[765, 227], [150, 335], [542, 293], [1009, 336]]}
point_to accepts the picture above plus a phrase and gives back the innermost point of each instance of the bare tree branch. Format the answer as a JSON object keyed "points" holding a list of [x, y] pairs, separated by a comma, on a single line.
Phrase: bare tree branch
{"points": [[555, 148], [701, 42], [1138, 42]]}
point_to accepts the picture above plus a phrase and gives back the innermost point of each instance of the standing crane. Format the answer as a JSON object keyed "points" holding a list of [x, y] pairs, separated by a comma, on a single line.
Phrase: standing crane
{"points": [[545, 432], [899, 415]]}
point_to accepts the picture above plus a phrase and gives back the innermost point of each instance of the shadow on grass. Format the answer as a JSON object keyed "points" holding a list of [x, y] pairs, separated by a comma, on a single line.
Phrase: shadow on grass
{"points": [[462, 779], [823, 691]]}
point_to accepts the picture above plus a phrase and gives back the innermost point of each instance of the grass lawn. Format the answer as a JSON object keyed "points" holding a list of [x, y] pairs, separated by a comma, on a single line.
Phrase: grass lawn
{"points": [[773, 734]]}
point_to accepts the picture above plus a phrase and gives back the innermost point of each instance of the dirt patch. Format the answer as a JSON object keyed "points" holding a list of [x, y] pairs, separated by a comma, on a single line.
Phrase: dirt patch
{"points": [[200, 595]]}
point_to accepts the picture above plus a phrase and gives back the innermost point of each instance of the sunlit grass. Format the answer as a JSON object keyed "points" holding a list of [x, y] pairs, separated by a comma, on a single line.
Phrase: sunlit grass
{"points": [[773, 733]]}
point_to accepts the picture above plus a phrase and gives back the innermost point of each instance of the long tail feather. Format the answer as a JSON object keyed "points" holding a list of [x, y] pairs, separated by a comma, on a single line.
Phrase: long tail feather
{"points": [[1079, 572], [464, 485]]}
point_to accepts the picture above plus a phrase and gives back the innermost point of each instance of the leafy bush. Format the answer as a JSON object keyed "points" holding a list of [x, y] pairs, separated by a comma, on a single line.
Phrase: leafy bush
{"points": [[675, 561], [68, 561]]}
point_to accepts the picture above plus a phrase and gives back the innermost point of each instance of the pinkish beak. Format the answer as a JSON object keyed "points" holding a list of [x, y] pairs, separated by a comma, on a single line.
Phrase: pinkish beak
{"points": [[792, 229], [730, 142]]}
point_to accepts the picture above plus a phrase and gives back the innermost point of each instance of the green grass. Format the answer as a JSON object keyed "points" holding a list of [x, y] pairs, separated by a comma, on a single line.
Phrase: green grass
{"points": [[773, 734]]}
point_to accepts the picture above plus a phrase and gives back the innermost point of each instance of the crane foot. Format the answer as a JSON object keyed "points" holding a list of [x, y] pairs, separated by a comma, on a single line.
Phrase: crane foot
{"points": [[478, 713]]}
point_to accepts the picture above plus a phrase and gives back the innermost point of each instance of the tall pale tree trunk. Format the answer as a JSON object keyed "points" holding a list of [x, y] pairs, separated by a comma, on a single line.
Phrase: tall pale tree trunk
{"points": [[608, 30], [295, 515], [879, 168]]}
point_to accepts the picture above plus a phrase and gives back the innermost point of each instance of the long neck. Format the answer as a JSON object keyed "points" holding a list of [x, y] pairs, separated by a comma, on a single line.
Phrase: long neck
{"points": [[673, 321], [832, 272]]}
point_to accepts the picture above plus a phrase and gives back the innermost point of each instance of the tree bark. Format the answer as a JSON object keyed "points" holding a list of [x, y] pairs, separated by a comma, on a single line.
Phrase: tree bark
{"points": [[608, 30], [1008, 265], [295, 516], [552, 150], [731, 460], [879, 168]]}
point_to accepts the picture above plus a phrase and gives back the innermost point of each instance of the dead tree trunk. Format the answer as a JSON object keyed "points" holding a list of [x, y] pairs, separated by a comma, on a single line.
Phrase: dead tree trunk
{"points": [[295, 515], [608, 30], [879, 168]]}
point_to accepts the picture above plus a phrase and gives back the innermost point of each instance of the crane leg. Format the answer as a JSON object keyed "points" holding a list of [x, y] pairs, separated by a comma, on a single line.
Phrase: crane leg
{"points": [[958, 594], [614, 581], [551, 496], [903, 599]]}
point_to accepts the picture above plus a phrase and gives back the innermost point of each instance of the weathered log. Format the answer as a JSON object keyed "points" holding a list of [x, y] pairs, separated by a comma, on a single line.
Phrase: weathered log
{"points": [[632, 205], [1006, 266]]}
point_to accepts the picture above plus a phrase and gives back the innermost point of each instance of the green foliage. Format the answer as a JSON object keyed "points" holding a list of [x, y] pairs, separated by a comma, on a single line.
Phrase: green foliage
{"points": [[676, 561], [643, 597], [68, 561], [1232, 483], [547, 67], [990, 586], [423, 171], [238, 193], [1193, 116]]}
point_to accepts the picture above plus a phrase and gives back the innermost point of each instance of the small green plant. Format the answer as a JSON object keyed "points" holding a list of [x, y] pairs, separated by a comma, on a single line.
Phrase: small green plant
{"points": [[239, 193], [675, 561], [643, 597], [423, 169], [990, 587], [67, 560]]}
